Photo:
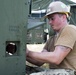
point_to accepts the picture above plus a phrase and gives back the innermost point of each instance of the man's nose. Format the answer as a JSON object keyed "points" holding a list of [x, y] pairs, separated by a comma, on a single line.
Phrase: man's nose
{"points": [[50, 21]]}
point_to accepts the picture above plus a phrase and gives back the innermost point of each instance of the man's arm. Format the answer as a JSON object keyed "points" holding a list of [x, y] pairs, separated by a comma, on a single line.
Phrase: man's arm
{"points": [[55, 57], [32, 60]]}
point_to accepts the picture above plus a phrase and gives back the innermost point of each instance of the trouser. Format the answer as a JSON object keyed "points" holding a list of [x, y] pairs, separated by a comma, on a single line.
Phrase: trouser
{"points": [[30, 69], [41, 71]]}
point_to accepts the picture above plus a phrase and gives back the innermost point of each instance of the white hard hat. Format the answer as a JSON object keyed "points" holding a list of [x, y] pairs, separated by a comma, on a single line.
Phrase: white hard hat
{"points": [[57, 7]]}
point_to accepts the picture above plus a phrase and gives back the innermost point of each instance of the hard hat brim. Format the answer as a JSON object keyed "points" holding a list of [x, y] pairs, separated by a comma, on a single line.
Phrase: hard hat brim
{"points": [[50, 13]]}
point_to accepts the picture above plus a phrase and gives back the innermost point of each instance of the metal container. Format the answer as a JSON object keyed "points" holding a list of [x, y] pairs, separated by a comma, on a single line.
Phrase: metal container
{"points": [[13, 26]]}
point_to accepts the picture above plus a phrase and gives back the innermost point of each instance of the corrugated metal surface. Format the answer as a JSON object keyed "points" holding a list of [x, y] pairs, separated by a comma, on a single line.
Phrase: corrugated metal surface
{"points": [[42, 4]]}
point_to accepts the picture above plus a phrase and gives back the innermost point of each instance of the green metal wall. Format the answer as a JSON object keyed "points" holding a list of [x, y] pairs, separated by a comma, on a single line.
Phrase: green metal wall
{"points": [[13, 26]]}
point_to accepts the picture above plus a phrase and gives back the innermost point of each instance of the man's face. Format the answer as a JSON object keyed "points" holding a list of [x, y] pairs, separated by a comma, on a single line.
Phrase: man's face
{"points": [[55, 21]]}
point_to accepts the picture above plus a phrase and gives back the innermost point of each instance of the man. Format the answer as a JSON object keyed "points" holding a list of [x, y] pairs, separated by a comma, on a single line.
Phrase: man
{"points": [[60, 50]]}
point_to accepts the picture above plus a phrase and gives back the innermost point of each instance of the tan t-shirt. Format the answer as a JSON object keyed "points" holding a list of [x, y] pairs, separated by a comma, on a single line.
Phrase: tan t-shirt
{"points": [[66, 37]]}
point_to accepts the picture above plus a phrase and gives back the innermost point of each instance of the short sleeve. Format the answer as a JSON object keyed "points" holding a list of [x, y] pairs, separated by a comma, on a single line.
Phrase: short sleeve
{"points": [[67, 37]]}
